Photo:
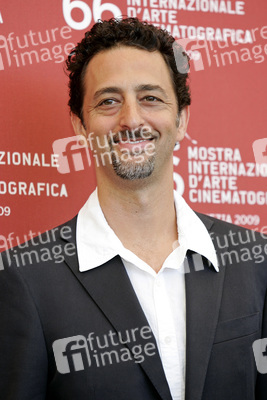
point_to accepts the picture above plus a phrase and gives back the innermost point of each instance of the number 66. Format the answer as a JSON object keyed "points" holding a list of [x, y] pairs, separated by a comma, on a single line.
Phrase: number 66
{"points": [[98, 9]]}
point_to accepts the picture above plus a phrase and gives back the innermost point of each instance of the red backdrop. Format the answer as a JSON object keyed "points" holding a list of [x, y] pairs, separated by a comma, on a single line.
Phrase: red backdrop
{"points": [[215, 166]]}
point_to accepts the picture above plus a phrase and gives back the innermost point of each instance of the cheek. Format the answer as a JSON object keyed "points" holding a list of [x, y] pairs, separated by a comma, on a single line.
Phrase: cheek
{"points": [[167, 127], [165, 119], [101, 126]]}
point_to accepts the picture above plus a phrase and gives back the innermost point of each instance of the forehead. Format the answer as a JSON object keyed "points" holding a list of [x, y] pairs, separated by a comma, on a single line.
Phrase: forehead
{"points": [[126, 67]]}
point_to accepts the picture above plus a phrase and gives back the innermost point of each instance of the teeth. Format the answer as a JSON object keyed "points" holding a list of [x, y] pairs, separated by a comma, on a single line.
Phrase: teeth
{"points": [[135, 141]]}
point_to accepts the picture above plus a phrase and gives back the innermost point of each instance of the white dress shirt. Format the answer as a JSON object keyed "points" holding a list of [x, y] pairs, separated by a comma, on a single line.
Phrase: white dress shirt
{"points": [[161, 295]]}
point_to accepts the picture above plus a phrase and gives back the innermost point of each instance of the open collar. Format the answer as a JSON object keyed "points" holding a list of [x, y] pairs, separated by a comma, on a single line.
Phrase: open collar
{"points": [[96, 238]]}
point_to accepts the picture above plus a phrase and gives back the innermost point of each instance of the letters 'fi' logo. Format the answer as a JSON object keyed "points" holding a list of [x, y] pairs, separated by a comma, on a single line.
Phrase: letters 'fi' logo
{"points": [[71, 354], [260, 151], [260, 355], [4, 45], [1, 263], [196, 49], [73, 154]]}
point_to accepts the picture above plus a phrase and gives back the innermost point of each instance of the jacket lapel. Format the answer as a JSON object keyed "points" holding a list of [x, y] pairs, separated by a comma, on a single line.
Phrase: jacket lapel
{"points": [[109, 286], [203, 299]]}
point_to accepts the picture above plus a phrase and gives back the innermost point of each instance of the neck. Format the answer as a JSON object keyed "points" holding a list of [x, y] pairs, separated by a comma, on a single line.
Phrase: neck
{"points": [[143, 217]]}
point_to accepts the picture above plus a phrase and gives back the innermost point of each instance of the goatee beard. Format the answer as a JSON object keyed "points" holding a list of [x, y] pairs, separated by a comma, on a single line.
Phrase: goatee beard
{"points": [[131, 169]]}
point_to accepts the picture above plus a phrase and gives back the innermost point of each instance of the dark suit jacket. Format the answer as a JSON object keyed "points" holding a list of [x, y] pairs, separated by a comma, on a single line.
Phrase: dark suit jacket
{"points": [[43, 300]]}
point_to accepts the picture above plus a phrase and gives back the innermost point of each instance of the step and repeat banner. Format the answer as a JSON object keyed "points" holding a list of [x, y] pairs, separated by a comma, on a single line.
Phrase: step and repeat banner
{"points": [[220, 167]]}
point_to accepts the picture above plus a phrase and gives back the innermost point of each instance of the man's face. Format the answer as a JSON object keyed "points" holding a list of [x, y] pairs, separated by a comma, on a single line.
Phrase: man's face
{"points": [[130, 111]]}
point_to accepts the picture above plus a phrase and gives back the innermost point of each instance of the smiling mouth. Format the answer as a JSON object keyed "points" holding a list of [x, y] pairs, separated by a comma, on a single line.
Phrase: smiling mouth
{"points": [[137, 146], [133, 141]]}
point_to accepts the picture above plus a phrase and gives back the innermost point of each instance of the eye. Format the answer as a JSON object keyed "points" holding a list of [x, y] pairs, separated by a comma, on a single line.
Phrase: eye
{"points": [[151, 99], [107, 102]]}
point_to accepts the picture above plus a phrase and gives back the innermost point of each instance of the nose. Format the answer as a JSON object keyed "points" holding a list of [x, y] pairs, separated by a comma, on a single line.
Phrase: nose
{"points": [[131, 115]]}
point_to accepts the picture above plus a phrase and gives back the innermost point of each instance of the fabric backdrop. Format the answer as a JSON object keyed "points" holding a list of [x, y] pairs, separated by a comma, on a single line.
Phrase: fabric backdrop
{"points": [[220, 167]]}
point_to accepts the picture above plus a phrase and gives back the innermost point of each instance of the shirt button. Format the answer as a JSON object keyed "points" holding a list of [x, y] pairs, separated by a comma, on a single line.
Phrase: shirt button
{"points": [[158, 283], [168, 339]]}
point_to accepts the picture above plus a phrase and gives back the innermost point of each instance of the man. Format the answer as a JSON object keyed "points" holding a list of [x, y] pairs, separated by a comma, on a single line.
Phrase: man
{"points": [[144, 309]]}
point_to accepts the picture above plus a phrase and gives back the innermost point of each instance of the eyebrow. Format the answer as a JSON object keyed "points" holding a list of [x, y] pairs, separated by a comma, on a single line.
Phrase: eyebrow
{"points": [[105, 90], [139, 88], [149, 87]]}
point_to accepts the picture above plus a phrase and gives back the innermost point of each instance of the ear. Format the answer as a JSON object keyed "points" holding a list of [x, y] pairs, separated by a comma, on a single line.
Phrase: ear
{"points": [[77, 124], [183, 122]]}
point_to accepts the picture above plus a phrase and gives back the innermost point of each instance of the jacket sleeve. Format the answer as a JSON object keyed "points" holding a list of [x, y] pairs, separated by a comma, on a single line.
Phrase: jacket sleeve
{"points": [[261, 386], [23, 356]]}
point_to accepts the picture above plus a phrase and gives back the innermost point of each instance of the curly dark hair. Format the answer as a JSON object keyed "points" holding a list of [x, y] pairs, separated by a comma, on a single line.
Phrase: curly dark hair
{"points": [[127, 32]]}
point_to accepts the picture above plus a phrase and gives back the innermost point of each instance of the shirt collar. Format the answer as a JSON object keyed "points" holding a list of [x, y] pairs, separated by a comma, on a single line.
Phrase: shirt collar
{"points": [[97, 243]]}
